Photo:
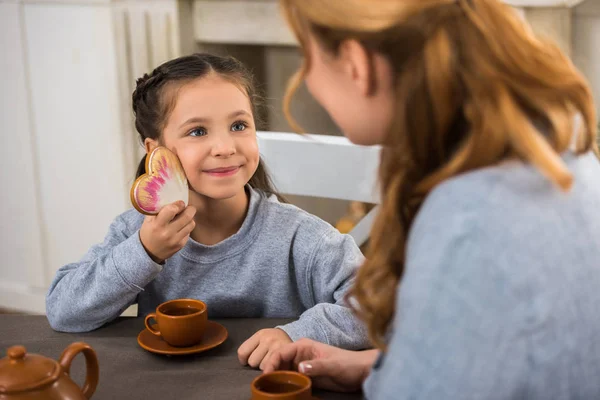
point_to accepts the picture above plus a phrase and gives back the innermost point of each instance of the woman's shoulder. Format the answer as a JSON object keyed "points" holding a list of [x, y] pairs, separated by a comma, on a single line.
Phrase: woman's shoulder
{"points": [[491, 189], [458, 198], [511, 202]]}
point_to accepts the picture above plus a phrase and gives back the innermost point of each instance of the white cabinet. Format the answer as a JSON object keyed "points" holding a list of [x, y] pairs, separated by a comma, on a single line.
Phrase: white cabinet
{"points": [[68, 145]]}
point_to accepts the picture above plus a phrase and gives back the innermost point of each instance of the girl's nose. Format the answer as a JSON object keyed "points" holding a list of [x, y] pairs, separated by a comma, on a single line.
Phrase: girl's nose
{"points": [[223, 147]]}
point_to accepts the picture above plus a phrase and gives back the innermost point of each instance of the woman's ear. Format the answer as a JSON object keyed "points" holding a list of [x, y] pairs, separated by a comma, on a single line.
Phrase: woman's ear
{"points": [[150, 144], [358, 65]]}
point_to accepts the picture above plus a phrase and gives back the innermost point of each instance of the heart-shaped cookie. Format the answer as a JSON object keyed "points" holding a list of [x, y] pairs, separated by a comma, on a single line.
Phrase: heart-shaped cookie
{"points": [[163, 183]]}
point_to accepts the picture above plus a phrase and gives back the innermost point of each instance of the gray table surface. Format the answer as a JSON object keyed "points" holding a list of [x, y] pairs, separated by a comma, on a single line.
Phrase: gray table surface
{"points": [[129, 372]]}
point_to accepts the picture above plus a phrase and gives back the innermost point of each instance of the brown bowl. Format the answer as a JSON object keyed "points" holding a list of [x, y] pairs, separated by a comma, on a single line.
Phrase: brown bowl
{"points": [[282, 385]]}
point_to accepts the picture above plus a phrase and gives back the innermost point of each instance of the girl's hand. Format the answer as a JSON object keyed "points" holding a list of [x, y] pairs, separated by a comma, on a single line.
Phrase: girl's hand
{"points": [[257, 350], [166, 233], [330, 367]]}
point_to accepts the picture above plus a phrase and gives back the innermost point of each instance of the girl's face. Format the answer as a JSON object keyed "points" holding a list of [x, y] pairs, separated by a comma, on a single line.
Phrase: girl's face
{"points": [[355, 88], [211, 129]]}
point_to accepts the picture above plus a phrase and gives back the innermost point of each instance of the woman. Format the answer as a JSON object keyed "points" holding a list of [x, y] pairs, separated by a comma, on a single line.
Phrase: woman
{"points": [[482, 275]]}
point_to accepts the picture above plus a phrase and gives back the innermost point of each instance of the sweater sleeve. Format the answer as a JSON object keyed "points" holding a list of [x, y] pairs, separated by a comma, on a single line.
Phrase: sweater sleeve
{"points": [[328, 274], [87, 294]]}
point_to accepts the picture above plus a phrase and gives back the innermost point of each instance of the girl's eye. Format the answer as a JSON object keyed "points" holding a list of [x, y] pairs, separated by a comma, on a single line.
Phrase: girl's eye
{"points": [[197, 132], [239, 126]]}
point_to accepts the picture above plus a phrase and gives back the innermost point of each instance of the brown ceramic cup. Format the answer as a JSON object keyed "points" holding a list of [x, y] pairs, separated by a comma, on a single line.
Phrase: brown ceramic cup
{"points": [[181, 322], [282, 385]]}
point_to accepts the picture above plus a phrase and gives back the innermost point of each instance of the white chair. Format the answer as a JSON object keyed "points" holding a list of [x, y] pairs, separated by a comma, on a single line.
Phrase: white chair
{"points": [[323, 166]]}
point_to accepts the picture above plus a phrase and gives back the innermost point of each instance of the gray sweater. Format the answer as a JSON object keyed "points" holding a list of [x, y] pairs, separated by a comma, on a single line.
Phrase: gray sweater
{"points": [[282, 263], [501, 293]]}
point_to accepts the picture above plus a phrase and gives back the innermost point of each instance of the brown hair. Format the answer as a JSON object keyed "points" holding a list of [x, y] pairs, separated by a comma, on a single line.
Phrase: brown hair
{"points": [[152, 105], [473, 87]]}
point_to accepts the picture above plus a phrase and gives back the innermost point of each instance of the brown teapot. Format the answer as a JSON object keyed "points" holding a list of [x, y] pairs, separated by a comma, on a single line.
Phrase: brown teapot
{"points": [[33, 377]]}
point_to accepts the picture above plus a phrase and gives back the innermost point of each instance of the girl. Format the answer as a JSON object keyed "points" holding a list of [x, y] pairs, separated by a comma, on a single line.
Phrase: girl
{"points": [[235, 246], [482, 276]]}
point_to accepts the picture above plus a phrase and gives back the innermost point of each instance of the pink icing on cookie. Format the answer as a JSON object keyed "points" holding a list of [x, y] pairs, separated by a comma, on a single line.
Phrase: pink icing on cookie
{"points": [[163, 183]]}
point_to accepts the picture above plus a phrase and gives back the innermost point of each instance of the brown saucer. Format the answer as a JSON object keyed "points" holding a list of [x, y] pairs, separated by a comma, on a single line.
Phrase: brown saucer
{"points": [[215, 335]]}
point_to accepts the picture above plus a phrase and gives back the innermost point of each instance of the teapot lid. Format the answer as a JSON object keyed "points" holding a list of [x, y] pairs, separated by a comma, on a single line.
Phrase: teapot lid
{"points": [[21, 371]]}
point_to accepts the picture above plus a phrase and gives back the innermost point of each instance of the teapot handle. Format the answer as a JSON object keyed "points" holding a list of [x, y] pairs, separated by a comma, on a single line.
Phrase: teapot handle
{"points": [[91, 364]]}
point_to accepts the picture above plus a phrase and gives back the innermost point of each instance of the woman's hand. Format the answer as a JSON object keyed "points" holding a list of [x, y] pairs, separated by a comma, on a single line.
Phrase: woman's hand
{"points": [[166, 233], [330, 368]]}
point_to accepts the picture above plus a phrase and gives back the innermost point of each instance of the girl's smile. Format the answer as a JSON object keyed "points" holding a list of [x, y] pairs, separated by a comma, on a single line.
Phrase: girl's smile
{"points": [[223, 172]]}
